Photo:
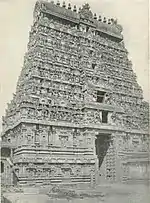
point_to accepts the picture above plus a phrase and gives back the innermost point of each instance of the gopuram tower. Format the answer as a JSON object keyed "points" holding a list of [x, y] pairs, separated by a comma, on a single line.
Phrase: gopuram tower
{"points": [[78, 114]]}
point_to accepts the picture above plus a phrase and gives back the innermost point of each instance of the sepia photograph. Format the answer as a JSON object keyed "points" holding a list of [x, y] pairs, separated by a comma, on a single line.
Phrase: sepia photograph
{"points": [[74, 101]]}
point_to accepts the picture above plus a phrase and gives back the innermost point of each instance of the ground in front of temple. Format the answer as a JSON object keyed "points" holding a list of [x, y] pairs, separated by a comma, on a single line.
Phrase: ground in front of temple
{"points": [[104, 193]]}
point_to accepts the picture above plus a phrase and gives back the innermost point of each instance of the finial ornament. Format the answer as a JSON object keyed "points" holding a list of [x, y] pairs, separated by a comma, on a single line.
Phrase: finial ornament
{"points": [[79, 9], [86, 12], [86, 6], [95, 17], [58, 3], [104, 21], [64, 4], [69, 6], [109, 21], [114, 21], [100, 18], [75, 8]]}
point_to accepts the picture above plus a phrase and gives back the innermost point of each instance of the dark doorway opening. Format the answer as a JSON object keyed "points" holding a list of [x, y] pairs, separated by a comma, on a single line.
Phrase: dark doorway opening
{"points": [[93, 65], [100, 96], [2, 167], [102, 144], [104, 116], [87, 28]]}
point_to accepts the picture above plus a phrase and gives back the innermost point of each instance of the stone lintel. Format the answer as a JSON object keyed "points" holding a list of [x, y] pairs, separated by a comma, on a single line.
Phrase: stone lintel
{"points": [[106, 107]]}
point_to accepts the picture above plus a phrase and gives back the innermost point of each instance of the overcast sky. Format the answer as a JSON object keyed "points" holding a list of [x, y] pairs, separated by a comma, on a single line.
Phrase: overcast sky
{"points": [[16, 17]]}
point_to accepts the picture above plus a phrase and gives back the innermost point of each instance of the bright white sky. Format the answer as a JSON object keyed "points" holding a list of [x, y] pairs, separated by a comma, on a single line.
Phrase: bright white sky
{"points": [[16, 19]]}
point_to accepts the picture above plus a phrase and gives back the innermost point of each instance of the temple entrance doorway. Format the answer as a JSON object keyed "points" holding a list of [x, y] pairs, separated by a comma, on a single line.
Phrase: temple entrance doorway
{"points": [[2, 167], [102, 144]]}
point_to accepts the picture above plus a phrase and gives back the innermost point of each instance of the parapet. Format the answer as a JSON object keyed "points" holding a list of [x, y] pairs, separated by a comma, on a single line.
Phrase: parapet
{"points": [[83, 15]]}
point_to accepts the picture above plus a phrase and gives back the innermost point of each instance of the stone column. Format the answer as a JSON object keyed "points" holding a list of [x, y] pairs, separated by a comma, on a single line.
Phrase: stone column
{"points": [[94, 138], [11, 153], [56, 140], [11, 174], [22, 170], [96, 159], [52, 139], [92, 179], [70, 139], [48, 136]]}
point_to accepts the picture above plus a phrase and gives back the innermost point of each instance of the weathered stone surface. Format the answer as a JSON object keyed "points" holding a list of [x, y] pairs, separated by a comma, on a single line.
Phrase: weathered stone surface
{"points": [[78, 113]]}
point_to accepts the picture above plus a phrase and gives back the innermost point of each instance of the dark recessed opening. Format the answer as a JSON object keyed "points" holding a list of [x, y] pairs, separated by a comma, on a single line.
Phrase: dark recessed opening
{"points": [[101, 144], [108, 176], [104, 116], [87, 28], [37, 126], [2, 167], [91, 52], [93, 65], [100, 96]]}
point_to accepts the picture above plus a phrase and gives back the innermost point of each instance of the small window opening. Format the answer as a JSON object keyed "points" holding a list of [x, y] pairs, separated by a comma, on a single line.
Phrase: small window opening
{"points": [[87, 28], [104, 116], [93, 65], [91, 52], [29, 137], [37, 127], [100, 96]]}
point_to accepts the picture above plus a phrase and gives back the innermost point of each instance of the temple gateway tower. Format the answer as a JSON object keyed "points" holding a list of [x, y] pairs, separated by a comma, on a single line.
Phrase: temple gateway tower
{"points": [[78, 113]]}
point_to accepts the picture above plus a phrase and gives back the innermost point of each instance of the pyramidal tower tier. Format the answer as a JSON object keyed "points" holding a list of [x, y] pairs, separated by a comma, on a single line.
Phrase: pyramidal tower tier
{"points": [[78, 113]]}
